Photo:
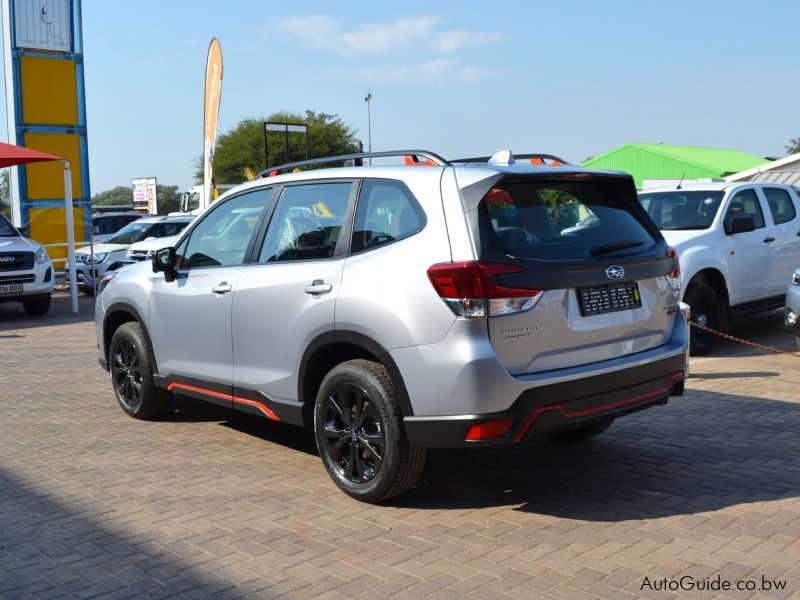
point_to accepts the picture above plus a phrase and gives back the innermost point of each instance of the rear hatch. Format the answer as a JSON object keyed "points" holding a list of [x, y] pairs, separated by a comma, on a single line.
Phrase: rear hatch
{"points": [[599, 262]]}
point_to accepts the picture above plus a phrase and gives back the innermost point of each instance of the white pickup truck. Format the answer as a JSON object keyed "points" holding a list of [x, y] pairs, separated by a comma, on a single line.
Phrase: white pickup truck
{"points": [[738, 245]]}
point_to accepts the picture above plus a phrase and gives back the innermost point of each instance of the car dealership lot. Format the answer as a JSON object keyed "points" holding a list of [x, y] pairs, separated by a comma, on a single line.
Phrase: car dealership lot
{"points": [[208, 501]]}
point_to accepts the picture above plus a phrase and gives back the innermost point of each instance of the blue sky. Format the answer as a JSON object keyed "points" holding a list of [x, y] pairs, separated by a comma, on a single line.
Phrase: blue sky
{"points": [[460, 78]]}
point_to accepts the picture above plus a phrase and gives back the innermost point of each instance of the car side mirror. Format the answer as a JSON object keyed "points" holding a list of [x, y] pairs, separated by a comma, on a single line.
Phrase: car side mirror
{"points": [[165, 261], [24, 231], [740, 225]]}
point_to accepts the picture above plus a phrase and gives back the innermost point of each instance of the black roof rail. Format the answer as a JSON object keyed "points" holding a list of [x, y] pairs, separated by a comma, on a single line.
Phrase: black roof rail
{"points": [[540, 156], [353, 160]]}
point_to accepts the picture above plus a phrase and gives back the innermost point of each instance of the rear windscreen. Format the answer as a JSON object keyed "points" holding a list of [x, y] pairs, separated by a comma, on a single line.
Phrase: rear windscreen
{"points": [[553, 220]]}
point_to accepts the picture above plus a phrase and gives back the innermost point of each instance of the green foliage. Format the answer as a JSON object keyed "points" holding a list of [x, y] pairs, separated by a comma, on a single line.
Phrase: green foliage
{"points": [[793, 147], [5, 193], [243, 146], [169, 198]]}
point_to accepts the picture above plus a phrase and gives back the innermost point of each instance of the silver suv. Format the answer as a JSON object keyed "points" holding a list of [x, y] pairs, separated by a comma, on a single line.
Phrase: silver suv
{"points": [[397, 308]]}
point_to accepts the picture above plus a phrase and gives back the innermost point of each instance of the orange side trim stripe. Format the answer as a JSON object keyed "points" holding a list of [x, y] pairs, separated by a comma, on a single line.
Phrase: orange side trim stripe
{"points": [[262, 407], [259, 405]]}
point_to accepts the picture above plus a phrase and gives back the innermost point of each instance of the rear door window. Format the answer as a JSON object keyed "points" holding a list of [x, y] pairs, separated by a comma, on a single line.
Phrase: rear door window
{"points": [[307, 221], [558, 219], [780, 205]]}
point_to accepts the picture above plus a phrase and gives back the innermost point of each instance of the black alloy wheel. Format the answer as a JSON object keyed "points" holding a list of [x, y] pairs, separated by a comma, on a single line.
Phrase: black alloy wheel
{"points": [[358, 426], [131, 363], [354, 433], [126, 373]]}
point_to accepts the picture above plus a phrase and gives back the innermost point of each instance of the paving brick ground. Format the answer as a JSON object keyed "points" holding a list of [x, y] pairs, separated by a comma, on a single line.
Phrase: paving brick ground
{"points": [[209, 503]]}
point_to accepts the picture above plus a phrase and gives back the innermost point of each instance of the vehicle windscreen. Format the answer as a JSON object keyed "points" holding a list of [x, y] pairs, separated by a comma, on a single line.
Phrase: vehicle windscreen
{"points": [[131, 233], [561, 220], [6, 229], [682, 209]]}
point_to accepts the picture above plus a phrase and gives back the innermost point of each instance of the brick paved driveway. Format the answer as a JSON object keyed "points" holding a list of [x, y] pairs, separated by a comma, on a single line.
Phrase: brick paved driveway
{"points": [[209, 503]]}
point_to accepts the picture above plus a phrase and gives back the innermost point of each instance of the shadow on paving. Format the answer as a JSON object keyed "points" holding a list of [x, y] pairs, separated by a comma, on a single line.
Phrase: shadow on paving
{"points": [[690, 456], [13, 316], [48, 547]]}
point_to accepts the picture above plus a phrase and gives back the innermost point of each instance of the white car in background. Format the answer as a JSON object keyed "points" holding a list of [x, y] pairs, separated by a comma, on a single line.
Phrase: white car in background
{"points": [[738, 244], [26, 273], [107, 255], [145, 249]]}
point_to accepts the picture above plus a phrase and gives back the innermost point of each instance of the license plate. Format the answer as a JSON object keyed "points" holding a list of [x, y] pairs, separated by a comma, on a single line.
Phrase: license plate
{"points": [[611, 297], [11, 288]]}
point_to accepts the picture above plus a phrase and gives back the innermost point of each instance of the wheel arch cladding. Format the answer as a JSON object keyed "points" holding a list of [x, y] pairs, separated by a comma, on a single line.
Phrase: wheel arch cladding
{"points": [[117, 315], [335, 347]]}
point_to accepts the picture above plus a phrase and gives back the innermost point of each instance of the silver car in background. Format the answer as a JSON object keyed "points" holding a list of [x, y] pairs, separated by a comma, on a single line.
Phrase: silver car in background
{"points": [[396, 308]]}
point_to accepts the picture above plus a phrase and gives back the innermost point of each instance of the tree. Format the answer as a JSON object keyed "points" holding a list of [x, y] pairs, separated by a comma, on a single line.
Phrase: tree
{"points": [[243, 145], [5, 193], [168, 197], [793, 147]]}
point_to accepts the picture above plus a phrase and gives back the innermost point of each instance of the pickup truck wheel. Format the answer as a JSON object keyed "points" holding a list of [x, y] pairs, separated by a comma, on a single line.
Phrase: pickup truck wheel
{"points": [[38, 305], [585, 432], [705, 311], [359, 432], [131, 367]]}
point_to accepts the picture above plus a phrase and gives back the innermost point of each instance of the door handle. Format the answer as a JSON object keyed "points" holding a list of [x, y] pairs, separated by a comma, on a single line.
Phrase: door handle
{"points": [[318, 287], [769, 240], [222, 288]]}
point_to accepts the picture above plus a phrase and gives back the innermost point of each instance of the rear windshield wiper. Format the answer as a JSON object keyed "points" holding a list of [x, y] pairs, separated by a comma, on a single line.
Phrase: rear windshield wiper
{"points": [[608, 248]]}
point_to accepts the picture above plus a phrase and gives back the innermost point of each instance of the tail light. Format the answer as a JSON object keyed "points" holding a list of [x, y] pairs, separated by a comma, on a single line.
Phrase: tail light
{"points": [[674, 276], [471, 290]]}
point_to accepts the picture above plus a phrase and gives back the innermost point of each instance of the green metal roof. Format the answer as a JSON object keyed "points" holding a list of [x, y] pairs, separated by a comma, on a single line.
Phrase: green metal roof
{"points": [[662, 161]]}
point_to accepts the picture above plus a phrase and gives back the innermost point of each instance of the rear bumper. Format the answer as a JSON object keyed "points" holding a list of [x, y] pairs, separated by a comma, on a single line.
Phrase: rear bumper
{"points": [[548, 409]]}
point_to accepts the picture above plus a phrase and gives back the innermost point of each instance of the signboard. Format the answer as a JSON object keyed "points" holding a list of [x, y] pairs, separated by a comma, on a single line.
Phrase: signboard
{"points": [[145, 194], [43, 24]]}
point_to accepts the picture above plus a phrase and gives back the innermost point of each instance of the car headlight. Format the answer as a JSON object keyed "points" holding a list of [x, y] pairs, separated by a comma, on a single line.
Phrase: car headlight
{"points": [[796, 277], [41, 256], [98, 258]]}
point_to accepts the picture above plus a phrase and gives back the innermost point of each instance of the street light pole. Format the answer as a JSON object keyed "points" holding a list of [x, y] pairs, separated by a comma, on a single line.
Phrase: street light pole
{"points": [[367, 99]]}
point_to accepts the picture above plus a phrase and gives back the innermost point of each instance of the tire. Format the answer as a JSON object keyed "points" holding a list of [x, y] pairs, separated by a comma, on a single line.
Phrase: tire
{"points": [[705, 310], [359, 432], [131, 364], [585, 432], [37, 306]]}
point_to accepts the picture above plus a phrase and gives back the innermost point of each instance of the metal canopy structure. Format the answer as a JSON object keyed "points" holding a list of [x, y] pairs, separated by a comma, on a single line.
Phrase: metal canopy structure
{"points": [[784, 170]]}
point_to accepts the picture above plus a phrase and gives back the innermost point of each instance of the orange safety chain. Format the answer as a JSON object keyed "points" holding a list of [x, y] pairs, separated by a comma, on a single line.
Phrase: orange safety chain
{"points": [[733, 338]]}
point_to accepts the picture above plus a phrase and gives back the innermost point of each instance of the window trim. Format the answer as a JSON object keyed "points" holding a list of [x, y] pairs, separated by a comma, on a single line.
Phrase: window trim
{"points": [[189, 229], [342, 243], [415, 204]]}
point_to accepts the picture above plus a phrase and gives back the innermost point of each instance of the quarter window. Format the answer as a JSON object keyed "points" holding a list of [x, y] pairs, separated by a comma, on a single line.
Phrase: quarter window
{"points": [[387, 211], [222, 237], [306, 223], [780, 205], [745, 204]]}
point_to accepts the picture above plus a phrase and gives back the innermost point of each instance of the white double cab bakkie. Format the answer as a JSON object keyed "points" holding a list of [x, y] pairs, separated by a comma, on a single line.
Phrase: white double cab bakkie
{"points": [[738, 244]]}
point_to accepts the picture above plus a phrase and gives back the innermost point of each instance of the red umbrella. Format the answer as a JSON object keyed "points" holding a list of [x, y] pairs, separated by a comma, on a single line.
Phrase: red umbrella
{"points": [[11, 155]]}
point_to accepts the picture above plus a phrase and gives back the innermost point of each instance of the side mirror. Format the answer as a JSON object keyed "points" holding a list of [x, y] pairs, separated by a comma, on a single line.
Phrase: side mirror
{"points": [[164, 261], [740, 225], [25, 231]]}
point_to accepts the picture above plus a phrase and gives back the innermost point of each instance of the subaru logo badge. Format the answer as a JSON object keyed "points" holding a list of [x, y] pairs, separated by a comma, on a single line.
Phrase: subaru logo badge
{"points": [[615, 272]]}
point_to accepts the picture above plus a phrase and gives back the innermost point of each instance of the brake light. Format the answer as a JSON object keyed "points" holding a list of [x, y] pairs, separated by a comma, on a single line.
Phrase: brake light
{"points": [[674, 276], [471, 289]]}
